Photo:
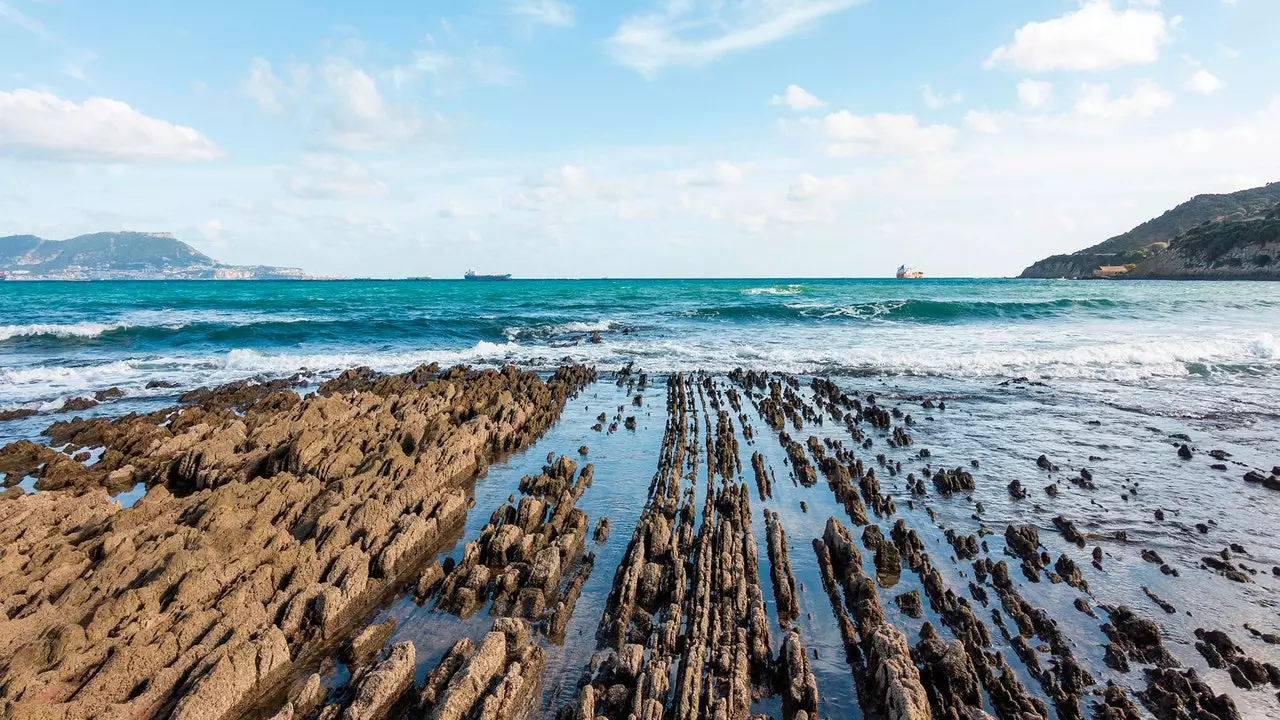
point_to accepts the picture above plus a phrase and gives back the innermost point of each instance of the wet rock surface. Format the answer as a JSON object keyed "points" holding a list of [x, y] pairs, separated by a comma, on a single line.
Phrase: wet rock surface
{"points": [[270, 526], [951, 591]]}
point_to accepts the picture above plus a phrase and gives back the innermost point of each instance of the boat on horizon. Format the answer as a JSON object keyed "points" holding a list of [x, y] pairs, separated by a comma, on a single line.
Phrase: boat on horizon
{"points": [[907, 273], [471, 275]]}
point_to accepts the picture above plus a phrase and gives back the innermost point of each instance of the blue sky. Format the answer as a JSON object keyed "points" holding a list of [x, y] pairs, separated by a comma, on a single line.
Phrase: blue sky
{"points": [[648, 138]]}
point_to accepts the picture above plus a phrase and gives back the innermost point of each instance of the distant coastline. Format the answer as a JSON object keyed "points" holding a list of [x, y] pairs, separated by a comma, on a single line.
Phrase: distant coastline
{"points": [[1235, 236], [123, 256]]}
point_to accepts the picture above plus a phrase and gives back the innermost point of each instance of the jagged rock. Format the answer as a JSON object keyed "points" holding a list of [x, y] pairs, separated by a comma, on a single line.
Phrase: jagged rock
{"points": [[1174, 695], [369, 642], [910, 605], [472, 679], [271, 523], [384, 685], [948, 676], [1136, 637]]}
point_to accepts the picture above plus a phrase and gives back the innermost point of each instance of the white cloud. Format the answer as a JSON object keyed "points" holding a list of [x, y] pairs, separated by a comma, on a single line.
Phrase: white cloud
{"points": [[553, 187], [358, 117], [1095, 37], [488, 65], [1204, 82], [982, 122], [212, 230], [264, 88], [543, 12], [1147, 99], [431, 62], [797, 98], [1033, 94], [934, 101], [809, 187], [333, 176], [719, 174], [454, 208], [39, 124], [698, 32], [883, 134]]}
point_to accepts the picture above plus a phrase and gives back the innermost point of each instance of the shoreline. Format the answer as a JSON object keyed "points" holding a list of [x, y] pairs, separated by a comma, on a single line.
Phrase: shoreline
{"points": [[816, 451]]}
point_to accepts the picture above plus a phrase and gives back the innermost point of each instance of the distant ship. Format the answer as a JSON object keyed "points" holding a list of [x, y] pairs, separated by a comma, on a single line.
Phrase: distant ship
{"points": [[906, 273], [471, 275]]}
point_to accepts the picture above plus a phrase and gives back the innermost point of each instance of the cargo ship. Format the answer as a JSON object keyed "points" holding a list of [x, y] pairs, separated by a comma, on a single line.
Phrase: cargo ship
{"points": [[906, 273], [471, 275]]}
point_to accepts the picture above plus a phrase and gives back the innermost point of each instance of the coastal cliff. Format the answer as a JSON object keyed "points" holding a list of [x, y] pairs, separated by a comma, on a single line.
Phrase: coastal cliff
{"points": [[1244, 250], [1145, 246]]}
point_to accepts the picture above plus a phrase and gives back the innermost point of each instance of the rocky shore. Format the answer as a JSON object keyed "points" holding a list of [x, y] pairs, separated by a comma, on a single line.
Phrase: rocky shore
{"points": [[798, 552], [271, 525]]}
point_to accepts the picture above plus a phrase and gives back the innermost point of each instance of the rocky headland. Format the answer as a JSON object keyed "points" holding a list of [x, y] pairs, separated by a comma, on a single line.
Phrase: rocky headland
{"points": [[1234, 236]]}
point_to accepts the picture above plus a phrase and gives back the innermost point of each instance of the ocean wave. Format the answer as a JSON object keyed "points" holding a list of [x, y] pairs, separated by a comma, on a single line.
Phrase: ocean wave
{"points": [[908, 310], [552, 330], [71, 330], [775, 290], [947, 355]]}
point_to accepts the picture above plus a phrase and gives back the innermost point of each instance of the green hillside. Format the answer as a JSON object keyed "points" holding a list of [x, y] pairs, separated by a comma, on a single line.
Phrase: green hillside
{"points": [[1135, 246], [116, 251]]}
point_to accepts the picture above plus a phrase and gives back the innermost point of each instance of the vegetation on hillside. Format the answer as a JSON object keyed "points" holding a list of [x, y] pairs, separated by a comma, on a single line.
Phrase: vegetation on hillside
{"points": [[1204, 224], [103, 251]]}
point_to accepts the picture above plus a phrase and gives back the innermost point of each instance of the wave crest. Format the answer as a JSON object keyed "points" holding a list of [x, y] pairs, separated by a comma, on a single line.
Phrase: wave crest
{"points": [[72, 330]]}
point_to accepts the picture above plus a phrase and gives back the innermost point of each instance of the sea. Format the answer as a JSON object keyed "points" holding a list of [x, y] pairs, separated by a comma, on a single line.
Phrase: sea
{"points": [[1109, 376], [60, 340]]}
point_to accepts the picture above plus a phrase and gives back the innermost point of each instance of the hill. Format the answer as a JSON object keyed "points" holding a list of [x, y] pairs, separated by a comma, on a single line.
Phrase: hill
{"points": [[119, 256], [1147, 239], [1247, 249]]}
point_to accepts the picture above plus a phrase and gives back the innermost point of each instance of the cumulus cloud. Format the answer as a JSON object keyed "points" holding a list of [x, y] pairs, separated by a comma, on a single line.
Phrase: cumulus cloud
{"points": [[39, 124], [1095, 37], [883, 134], [797, 98], [543, 12], [357, 115], [698, 32], [1204, 82], [1033, 94], [1147, 99]]}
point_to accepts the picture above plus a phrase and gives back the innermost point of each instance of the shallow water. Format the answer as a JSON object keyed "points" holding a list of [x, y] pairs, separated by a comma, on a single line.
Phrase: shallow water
{"points": [[1005, 429]]}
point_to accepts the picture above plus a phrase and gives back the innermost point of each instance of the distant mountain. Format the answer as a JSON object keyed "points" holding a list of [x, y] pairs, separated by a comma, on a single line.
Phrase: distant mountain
{"points": [[120, 256], [1151, 237]]}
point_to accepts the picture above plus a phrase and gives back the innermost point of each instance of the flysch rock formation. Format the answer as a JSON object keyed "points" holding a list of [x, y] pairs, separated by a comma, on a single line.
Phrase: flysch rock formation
{"points": [[271, 525], [281, 532]]}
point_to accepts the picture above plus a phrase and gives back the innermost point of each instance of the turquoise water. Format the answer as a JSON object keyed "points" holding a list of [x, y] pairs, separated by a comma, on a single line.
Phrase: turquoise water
{"points": [[64, 339]]}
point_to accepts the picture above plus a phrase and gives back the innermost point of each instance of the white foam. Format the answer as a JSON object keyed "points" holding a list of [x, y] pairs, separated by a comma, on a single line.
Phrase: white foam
{"points": [[80, 329], [550, 330], [945, 351], [775, 290]]}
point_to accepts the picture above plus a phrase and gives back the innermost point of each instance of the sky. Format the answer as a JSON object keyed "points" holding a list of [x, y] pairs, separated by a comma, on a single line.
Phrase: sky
{"points": [[631, 138]]}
